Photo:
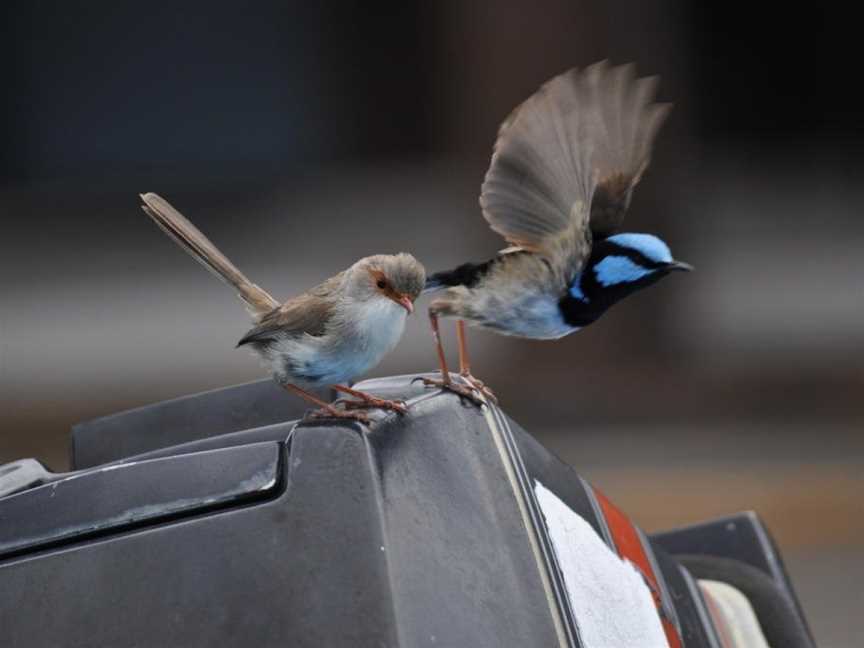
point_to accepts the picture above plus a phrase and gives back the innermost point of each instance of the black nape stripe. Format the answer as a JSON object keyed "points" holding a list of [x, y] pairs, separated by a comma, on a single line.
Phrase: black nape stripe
{"points": [[467, 274]]}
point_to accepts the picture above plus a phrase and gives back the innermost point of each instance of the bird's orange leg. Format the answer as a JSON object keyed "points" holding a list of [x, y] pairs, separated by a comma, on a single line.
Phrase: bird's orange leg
{"points": [[445, 382], [327, 410], [368, 400], [461, 337], [465, 365]]}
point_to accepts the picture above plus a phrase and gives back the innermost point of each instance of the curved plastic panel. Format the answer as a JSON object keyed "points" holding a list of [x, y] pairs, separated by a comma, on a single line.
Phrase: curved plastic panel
{"points": [[182, 420], [133, 494]]}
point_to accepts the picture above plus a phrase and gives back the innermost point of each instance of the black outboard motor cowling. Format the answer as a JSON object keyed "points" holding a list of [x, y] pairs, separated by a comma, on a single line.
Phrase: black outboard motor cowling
{"points": [[219, 519]]}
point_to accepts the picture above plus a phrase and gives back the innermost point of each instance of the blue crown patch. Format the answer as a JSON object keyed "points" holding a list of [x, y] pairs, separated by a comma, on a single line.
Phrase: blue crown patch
{"points": [[647, 245]]}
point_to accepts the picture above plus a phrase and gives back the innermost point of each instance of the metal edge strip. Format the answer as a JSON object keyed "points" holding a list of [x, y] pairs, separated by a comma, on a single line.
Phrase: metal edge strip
{"points": [[541, 546]]}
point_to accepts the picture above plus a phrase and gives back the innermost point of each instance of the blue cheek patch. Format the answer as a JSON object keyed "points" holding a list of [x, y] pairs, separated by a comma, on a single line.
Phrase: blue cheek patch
{"points": [[576, 289], [617, 270], [647, 245]]}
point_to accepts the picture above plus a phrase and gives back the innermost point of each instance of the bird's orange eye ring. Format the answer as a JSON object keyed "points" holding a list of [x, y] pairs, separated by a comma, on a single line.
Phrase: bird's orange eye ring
{"points": [[381, 284]]}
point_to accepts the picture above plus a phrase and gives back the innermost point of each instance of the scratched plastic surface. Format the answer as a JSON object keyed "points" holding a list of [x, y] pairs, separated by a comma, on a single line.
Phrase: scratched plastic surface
{"points": [[418, 531], [134, 493]]}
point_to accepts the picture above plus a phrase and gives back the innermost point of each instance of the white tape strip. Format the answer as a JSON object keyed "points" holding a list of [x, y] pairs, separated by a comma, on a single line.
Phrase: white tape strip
{"points": [[610, 600]]}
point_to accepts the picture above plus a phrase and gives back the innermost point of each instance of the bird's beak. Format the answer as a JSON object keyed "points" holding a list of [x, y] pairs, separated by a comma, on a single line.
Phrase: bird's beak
{"points": [[405, 302], [680, 265]]}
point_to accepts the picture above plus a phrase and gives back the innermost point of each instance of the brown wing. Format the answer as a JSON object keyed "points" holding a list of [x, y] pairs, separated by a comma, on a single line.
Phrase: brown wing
{"points": [[538, 170], [580, 134], [307, 313], [627, 121]]}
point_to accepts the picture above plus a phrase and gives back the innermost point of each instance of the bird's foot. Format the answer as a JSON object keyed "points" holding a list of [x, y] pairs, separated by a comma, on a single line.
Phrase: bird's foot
{"points": [[463, 391], [479, 385], [333, 413], [372, 402]]}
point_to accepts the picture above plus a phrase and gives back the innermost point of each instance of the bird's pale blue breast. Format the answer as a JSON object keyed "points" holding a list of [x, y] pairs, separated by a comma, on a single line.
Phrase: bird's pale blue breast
{"points": [[617, 270]]}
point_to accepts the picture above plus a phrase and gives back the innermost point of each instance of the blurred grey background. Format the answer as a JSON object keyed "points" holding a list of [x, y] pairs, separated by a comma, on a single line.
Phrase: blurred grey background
{"points": [[301, 136]]}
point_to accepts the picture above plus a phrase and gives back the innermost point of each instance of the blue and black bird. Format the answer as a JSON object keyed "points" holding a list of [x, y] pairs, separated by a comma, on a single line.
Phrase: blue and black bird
{"points": [[561, 178]]}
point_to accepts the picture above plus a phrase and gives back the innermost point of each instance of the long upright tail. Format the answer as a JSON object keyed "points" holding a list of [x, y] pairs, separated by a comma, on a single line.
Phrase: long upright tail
{"points": [[190, 238]]}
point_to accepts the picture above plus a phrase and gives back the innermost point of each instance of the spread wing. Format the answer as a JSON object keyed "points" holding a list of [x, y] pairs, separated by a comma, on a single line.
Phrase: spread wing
{"points": [[308, 313], [566, 160], [628, 119]]}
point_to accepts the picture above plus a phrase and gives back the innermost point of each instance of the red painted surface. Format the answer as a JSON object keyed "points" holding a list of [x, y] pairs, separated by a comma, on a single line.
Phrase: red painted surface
{"points": [[629, 546]]}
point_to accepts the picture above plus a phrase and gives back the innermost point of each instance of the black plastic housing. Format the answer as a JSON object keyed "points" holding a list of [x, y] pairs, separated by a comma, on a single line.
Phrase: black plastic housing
{"points": [[223, 521]]}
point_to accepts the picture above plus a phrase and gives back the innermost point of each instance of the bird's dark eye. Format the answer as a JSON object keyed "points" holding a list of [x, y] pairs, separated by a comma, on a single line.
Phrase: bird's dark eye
{"points": [[381, 284]]}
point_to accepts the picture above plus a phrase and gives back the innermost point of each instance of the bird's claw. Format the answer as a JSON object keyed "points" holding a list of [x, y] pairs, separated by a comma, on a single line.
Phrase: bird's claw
{"points": [[338, 414], [463, 391], [374, 403], [480, 386]]}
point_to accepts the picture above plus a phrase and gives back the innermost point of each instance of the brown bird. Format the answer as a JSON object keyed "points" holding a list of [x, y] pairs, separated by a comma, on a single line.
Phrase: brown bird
{"points": [[326, 336]]}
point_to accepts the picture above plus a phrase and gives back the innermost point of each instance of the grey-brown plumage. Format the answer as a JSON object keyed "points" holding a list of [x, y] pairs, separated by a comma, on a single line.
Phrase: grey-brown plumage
{"points": [[561, 178], [330, 334], [567, 159], [199, 247]]}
